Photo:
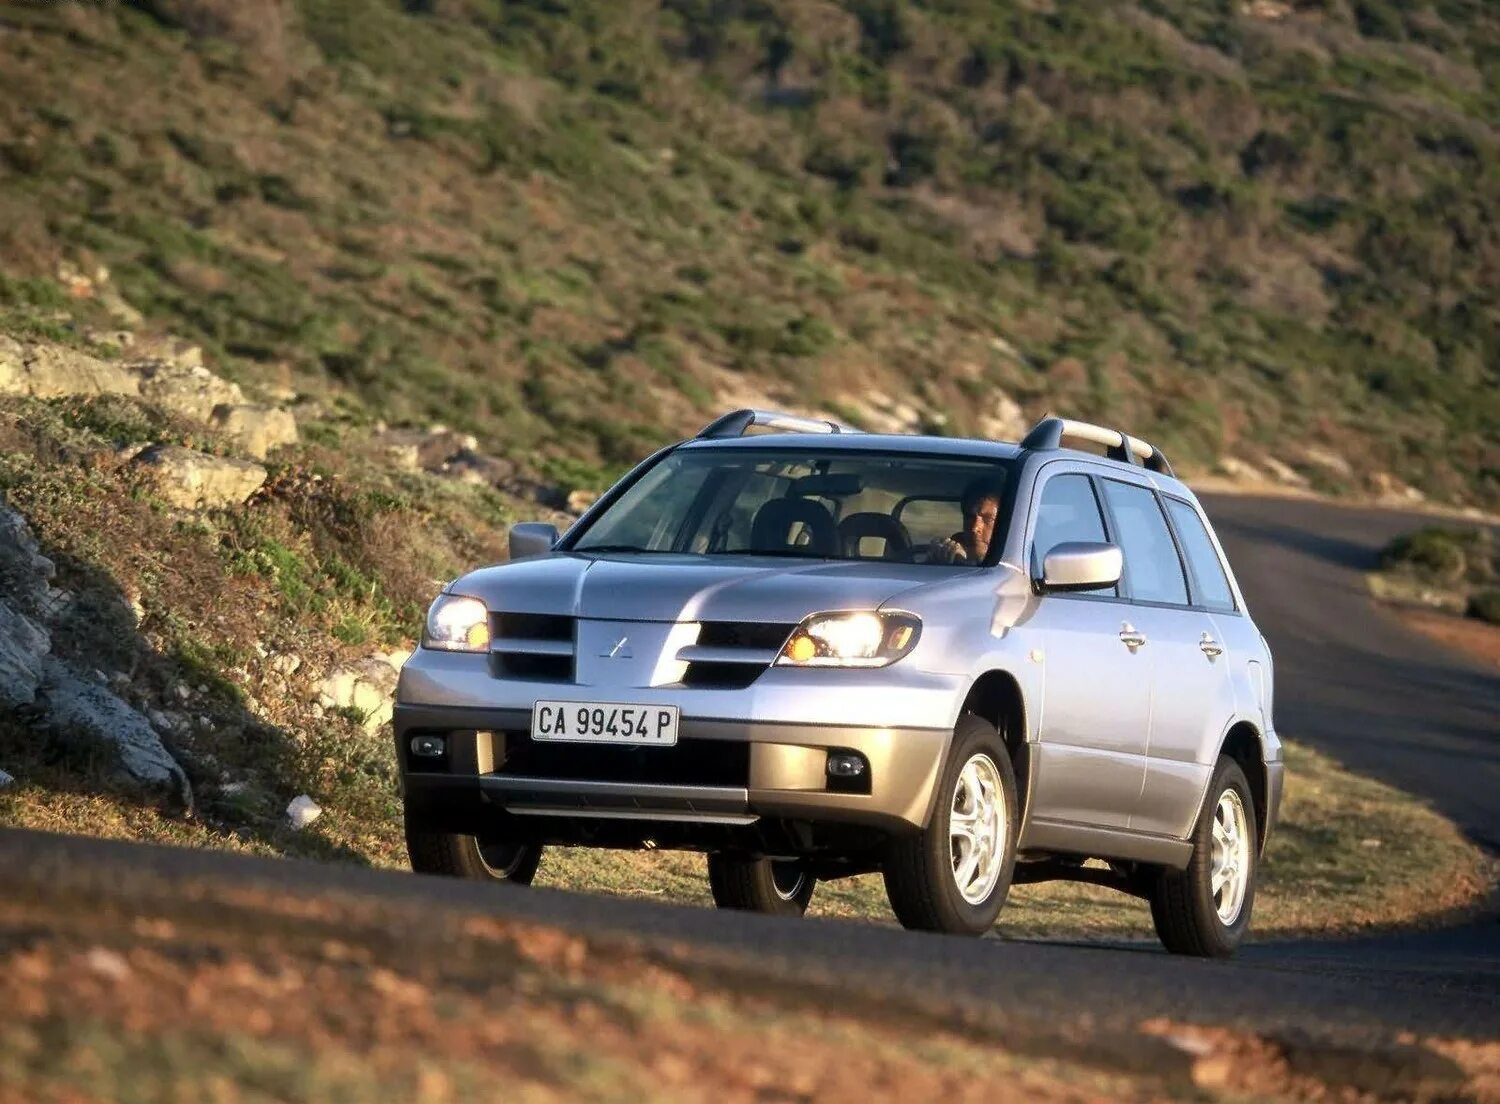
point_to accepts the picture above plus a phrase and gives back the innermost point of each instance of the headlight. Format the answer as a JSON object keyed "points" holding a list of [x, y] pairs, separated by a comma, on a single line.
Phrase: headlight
{"points": [[456, 624], [851, 640]]}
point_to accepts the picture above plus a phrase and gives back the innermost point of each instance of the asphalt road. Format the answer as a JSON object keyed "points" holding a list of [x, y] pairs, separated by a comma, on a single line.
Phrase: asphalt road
{"points": [[1349, 680]]}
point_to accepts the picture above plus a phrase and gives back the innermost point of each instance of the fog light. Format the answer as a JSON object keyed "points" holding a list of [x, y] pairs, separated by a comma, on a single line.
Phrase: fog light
{"points": [[846, 765], [429, 747]]}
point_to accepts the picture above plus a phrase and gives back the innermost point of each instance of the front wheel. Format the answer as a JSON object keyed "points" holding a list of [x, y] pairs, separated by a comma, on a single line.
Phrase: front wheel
{"points": [[954, 874], [1204, 910], [777, 886], [459, 856]]}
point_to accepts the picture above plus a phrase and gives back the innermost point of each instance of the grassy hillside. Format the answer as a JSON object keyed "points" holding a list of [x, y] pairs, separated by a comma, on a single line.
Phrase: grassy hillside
{"points": [[573, 227]]}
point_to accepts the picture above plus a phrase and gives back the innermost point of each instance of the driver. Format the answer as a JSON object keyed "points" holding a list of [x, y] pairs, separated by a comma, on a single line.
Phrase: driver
{"points": [[981, 507]]}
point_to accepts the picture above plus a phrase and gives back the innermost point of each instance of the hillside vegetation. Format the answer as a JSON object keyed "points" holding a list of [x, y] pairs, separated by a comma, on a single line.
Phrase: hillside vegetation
{"points": [[576, 227]]}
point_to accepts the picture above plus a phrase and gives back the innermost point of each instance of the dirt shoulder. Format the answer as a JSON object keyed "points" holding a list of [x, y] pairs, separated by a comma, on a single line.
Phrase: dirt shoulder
{"points": [[1462, 634], [229, 991]]}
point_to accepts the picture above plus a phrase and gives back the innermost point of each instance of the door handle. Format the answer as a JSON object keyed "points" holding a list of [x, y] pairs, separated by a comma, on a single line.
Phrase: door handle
{"points": [[1130, 638], [1211, 647]]}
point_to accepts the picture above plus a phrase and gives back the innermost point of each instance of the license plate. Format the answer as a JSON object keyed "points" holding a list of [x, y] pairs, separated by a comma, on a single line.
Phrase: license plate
{"points": [[605, 723]]}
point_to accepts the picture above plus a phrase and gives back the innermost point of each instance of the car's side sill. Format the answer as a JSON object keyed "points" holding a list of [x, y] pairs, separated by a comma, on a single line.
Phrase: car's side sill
{"points": [[1104, 843]]}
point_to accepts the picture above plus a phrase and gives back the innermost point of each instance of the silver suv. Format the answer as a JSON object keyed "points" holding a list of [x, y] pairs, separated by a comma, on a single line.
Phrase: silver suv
{"points": [[814, 653]]}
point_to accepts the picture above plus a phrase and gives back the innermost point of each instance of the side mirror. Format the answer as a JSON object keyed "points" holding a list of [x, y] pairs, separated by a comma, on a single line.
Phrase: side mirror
{"points": [[531, 538], [1081, 565]]}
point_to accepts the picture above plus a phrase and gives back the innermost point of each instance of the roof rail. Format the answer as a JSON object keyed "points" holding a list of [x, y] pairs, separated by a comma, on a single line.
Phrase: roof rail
{"points": [[1050, 432], [735, 423]]}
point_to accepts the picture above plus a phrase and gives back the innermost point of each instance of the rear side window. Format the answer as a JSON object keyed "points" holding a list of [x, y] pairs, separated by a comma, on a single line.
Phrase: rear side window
{"points": [[1069, 511], [1153, 570], [1211, 584]]}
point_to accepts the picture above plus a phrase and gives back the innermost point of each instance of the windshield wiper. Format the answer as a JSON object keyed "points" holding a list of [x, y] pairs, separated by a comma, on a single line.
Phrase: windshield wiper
{"points": [[786, 553], [618, 548]]}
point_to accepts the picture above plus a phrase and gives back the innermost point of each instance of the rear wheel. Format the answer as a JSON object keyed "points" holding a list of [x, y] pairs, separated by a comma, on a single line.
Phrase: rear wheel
{"points": [[778, 886], [953, 876], [1204, 910], [457, 856]]}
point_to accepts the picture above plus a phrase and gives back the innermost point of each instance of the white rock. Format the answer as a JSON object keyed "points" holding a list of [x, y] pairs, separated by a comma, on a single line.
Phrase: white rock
{"points": [[23, 652], [24, 571], [189, 479], [1005, 421], [302, 811], [1284, 472], [258, 429], [367, 688], [107, 963], [1236, 468], [5, 779], [184, 386], [51, 371], [77, 709], [1328, 460]]}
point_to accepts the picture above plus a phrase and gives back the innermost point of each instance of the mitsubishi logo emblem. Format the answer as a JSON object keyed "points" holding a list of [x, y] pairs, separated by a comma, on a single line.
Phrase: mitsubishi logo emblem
{"points": [[621, 650]]}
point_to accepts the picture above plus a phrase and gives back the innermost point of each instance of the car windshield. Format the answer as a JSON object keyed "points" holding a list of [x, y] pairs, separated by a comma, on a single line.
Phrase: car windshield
{"points": [[899, 508]]}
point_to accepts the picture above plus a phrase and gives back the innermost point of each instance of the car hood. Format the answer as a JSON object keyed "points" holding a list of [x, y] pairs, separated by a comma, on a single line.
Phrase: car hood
{"points": [[670, 587]]}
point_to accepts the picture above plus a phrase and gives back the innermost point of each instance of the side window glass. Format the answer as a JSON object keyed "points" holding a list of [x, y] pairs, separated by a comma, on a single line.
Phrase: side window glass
{"points": [[1153, 570], [1212, 583], [1068, 511]]}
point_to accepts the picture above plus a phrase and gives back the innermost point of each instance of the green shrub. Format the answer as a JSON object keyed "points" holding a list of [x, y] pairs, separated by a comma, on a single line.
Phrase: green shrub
{"points": [[1485, 605], [1434, 554]]}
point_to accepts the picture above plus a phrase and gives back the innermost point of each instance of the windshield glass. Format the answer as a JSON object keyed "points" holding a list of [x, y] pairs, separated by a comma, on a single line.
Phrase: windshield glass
{"points": [[898, 508]]}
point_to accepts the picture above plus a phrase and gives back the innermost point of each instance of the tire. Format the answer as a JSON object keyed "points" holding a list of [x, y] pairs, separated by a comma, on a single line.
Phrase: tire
{"points": [[780, 888], [921, 870], [456, 856], [1191, 917]]}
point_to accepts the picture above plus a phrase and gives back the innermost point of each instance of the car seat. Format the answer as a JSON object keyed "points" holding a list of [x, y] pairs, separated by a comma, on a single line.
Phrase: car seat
{"points": [[858, 527], [781, 522]]}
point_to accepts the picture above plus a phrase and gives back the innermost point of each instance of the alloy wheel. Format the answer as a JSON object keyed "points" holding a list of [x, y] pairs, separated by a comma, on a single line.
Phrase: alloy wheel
{"points": [[977, 829]]}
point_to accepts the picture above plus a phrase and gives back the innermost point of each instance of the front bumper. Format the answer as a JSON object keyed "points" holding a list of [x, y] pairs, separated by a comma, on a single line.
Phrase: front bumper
{"points": [[722, 773]]}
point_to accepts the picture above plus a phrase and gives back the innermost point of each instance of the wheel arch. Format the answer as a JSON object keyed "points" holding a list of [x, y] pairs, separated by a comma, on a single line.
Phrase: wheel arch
{"points": [[1243, 743], [996, 696]]}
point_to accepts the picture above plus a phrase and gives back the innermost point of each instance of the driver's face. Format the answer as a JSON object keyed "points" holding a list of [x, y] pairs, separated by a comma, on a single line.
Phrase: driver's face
{"points": [[979, 526]]}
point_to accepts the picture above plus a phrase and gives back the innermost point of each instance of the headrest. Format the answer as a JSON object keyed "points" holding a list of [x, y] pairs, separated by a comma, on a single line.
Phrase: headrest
{"points": [[776, 527], [858, 527]]}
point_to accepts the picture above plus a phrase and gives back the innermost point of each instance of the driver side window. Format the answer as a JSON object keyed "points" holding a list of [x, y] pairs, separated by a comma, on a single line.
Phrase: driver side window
{"points": [[1069, 511]]}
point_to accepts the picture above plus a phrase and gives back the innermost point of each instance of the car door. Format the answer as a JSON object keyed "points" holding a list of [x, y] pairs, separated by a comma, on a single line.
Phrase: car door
{"points": [[1192, 695], [1096, 688]]}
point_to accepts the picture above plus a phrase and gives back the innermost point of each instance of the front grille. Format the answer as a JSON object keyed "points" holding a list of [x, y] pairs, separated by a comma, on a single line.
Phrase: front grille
{"points": [[721, 676], [743, 634], [536, 666], [531, 626], [540, 668], [727, 674], [687, 763]]}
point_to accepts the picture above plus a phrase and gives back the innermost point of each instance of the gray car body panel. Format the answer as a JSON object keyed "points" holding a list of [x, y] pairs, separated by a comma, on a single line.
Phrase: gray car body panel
{"points": [[1123, 740]]}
